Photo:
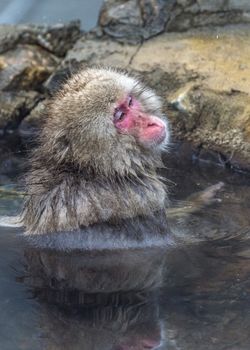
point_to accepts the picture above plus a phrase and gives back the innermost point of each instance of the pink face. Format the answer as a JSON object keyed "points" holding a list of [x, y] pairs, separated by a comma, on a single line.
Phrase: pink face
{"points": [[130, 119]]}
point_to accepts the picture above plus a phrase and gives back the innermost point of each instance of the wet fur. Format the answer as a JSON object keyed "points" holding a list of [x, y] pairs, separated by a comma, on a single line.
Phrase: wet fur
{"points": [[83, 172]]}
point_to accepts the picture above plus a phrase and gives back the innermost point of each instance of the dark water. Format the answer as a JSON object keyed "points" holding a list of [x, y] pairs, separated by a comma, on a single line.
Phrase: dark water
{"points": [[194, 297]]}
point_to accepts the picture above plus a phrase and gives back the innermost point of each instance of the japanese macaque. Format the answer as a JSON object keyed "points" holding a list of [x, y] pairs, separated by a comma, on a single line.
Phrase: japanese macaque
{"points": [[96, 163], [94, 172]]}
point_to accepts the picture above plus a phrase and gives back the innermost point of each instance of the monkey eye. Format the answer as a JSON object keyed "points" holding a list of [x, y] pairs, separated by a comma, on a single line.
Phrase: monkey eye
{"points": [[118, 115], [130, 101]]}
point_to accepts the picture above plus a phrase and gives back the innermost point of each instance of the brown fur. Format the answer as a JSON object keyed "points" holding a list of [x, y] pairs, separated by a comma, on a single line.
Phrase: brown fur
{"points": [[83, 172]]}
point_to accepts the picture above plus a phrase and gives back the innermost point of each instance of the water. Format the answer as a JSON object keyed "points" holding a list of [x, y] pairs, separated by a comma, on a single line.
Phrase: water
{"points": [[194, 297]]}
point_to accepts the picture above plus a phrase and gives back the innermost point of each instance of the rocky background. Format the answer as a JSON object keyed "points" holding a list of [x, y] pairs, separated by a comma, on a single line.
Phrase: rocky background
{"points": [[195, 53]]}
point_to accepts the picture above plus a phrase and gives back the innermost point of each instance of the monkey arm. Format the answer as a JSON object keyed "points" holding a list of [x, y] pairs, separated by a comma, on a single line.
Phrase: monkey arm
{"points": [[196, 202]]}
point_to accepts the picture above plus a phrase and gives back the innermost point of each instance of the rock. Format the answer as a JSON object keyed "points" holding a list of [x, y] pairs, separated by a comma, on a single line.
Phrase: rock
{"points": [[243, 5], [211, 5], [28, 56], [92, 50], [218, 122], [14, 106], [25, 67], [57, 39], [202, 77], [134, 21]]}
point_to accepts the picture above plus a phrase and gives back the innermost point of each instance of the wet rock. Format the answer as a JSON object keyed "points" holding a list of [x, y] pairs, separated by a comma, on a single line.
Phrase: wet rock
{"points": [[29, 54], [25, 67], [14, 107], [93, 51], [211, 5], [134, 21], [57, 39], [219, 122], [202, 77], [242, 4]]}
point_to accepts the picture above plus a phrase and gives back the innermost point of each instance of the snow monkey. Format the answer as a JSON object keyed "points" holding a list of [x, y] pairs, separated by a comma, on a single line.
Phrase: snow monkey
{"points": [[93, 175]]}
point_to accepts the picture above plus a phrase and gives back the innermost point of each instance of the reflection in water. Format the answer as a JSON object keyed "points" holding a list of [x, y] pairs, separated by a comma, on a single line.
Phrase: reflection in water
{"points": [[145, 298], [74, 274], [192, 296], [106, 299], [121, 326]]}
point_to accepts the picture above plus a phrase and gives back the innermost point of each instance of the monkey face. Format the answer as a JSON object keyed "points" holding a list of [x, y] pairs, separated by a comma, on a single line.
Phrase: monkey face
{"points": [[129, 118], [105, 119], [134, 110]]}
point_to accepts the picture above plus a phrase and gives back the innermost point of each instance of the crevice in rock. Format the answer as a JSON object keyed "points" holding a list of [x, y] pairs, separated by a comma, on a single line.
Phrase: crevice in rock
{"points": [[134, 55]]}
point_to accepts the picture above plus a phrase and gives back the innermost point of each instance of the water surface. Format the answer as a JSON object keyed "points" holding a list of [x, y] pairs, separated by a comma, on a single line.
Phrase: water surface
{"points": [[200, 295]]}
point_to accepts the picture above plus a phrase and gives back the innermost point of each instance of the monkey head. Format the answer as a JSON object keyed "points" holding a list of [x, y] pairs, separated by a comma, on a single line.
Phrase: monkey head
{"points": [[105, 120]]}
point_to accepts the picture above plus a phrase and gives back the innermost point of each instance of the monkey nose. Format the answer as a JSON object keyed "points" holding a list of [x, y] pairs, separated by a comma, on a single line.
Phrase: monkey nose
{"points": [[156, 125], [155, 122]]}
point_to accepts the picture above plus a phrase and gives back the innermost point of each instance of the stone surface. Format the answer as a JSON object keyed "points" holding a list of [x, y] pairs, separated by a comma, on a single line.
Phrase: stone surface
{"points": [[57, 39], [239, 4], [14, 106], [25, 67], [134, 21], [28, 56], [100, 51], [203, 77]]}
